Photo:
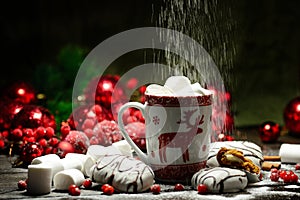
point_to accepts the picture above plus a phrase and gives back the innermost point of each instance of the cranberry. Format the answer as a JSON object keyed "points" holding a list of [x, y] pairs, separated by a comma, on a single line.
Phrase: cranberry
{"points": [[275, 170], [274, 176], [43, 142], [202, 189], [87, 183], [17, 134], [155, 189], [49, 132], [294, 178], [74, 190], [297, 166], [107, 189], [178, 187], [40, 132], [65, 130], [22, 185]]}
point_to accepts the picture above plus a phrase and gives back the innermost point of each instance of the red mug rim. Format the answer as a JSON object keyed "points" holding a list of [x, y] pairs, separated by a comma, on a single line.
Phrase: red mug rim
{"points": [[178, 101]]}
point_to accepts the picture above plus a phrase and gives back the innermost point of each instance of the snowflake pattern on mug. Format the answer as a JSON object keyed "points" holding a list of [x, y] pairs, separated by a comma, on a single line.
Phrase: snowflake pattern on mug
{"points": [[155, 120]]}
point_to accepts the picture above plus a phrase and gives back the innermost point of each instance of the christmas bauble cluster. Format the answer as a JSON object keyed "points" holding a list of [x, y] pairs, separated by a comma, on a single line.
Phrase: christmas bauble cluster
{"points": [[97, 114], [30, 130]]}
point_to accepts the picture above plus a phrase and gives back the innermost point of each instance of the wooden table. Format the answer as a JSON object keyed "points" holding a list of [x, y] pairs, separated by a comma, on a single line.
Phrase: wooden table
{"points": [[264, 190]]}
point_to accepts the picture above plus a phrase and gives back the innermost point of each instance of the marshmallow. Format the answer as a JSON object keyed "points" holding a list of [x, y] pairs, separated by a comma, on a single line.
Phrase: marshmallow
{"points": [[124, 147], [289, 153], [85, 160], [69, 163], [177, 86], [63, 179], [45, 158], [220, 179], [39, 179]]}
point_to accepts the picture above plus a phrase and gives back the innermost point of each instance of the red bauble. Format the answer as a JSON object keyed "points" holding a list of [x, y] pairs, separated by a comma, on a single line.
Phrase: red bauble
{"points": [[33, 116], [63, 148], [103, 91], [22, 92], [95, 113], [291, 116], [136, 131], [106, 133], [78, 140], [30, 151], [269, 131], [8, 111]]}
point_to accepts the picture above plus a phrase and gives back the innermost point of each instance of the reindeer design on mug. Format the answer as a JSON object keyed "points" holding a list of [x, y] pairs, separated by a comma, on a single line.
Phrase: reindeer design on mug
{"points": [[181, 140]]}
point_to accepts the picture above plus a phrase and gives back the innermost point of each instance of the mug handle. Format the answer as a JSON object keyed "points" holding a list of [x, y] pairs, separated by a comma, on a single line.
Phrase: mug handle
{"points": [[122, 109]]}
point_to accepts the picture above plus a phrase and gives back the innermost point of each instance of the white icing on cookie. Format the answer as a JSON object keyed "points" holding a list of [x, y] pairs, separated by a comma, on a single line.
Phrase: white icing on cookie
{"points": [[220, 179], [125, 174]]}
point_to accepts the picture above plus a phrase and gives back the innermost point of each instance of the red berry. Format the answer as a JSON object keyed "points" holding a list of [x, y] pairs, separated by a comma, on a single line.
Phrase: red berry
{"points": [[49, 132], [74, 190], [53, 142], [43, 142], [287, 178], [202, 189], [87, 183], [294, 178], [22, 185], [65, 130], [107, 189], [89, 132], [274, 176], [155, 189], [40, 132], [17, 134], [178, 187], [28, 132], [282, 173], [297, 166], [275, 170]]}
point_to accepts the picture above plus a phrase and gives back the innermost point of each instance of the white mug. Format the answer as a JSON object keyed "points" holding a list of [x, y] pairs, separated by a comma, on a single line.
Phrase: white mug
{"points": [[178, 132]]}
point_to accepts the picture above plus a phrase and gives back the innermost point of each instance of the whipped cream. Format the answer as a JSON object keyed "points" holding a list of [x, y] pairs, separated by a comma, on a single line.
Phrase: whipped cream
{"points": [[177, 86]]}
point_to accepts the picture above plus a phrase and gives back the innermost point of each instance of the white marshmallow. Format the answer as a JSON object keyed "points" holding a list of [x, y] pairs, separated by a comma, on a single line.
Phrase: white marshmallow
{"points": [[82, 158], [69, 163], [39, 179], [97, 151], [177, 86], [45, 158], [63, 179], [289, 153], [89, 163], [177, 83], [124, 147]]}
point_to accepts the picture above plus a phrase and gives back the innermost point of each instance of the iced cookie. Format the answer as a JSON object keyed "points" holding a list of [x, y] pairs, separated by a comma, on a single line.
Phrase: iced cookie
{"points": [[220, 179], [125, 174], [250, 150]]}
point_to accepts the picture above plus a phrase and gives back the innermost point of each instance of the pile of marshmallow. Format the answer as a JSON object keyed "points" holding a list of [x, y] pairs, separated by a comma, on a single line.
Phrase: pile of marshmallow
{"points": [[177, 86], [50, 171]]}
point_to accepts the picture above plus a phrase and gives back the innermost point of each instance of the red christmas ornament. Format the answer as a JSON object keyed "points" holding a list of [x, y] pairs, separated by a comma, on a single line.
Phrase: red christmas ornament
{"points": [[269, 131], [78, 140], [22, 92], [30, 151], [96, 113], [8, 111], [33, 116], [102, 91], [291, 116], [106, 133], [136, 131], [64, 148]]}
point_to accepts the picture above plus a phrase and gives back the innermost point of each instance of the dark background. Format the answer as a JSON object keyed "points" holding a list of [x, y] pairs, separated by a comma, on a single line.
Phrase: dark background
{"points": [[44, 41]]}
